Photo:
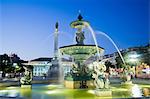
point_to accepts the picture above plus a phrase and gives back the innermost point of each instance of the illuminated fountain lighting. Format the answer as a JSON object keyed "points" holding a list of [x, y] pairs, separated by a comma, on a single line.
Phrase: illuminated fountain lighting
{"points": [[9, 93], [54, 86], [54, 92]]}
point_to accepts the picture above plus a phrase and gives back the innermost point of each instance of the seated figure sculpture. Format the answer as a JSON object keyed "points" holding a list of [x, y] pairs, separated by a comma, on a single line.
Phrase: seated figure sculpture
{"points": [[27, 78], [100, 79]]}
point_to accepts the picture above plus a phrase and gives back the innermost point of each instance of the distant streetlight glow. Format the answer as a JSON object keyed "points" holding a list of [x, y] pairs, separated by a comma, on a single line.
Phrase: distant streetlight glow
{"points": [[133, 60], [133, 57]]}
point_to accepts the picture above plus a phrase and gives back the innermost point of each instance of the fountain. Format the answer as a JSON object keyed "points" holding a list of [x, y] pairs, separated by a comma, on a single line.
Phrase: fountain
{"points": [[80, 75]]}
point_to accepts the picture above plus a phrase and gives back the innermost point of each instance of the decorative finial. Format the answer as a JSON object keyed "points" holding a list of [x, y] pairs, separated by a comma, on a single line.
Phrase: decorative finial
{"points": [[80, 17], [56, 25]]}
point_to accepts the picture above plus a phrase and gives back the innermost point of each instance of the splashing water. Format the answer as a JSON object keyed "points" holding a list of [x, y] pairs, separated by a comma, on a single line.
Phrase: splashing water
{"points": [[95, 41], [104, 34], [74, 38], [136, 91]]}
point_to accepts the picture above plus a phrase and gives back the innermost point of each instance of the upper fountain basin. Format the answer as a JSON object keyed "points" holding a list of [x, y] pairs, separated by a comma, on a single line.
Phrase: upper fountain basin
{"points": [[79, 24], [80, 52]]}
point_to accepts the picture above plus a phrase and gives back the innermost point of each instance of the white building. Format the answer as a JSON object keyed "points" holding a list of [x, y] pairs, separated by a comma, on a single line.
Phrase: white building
{"points": [[40, 66]]}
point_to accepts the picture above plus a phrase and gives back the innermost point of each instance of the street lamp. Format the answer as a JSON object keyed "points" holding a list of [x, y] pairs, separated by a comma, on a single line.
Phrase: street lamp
{"points": [[133, 58]]}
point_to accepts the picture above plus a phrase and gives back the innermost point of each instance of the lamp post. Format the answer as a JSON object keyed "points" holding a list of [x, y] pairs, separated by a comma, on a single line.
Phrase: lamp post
{"points": [[133, 59]]}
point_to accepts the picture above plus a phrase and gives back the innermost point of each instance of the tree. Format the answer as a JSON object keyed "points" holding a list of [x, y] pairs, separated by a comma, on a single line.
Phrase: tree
{"points": [[5, 64], [108, 64], [19, 66], [119, 62]]}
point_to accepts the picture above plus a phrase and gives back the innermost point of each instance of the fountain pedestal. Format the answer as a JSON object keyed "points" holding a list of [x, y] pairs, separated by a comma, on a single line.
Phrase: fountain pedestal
{"points": [[76, 84], [103, 93], [26, 86], [127, 79], [79, 77]]}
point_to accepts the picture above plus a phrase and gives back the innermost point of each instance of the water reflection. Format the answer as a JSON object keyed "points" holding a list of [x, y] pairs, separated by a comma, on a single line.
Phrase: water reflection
{"points": [[26, 92], [9, 93], [57, 92]]}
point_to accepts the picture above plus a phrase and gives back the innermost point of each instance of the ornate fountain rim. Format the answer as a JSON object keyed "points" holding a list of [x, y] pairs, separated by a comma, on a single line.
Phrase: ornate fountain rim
{"points": [[80, 50], [77, 45]]}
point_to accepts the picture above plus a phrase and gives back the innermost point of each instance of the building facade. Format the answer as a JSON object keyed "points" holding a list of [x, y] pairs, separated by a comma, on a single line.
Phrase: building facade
{"points": [[133, 55], [40, 66]]}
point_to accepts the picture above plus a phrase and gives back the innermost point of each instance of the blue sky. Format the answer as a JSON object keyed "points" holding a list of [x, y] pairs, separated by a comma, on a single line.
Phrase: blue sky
{"points": [[27, 26]]}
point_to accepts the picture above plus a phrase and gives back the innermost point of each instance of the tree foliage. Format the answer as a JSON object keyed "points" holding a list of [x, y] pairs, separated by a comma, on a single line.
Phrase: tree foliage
{"points": [[6, 64]]}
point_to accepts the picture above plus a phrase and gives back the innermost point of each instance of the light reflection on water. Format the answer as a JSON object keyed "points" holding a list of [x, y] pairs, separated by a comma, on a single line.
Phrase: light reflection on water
{"points": [[41, 91]]}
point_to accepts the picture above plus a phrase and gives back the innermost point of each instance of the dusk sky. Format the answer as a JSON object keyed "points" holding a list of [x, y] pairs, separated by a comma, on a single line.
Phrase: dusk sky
{"points": [[27, 26]]}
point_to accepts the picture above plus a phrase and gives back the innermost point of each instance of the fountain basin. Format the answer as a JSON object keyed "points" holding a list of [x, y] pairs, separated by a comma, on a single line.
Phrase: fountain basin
{"points": [[81, 24], [43, 91], [80, 52]]}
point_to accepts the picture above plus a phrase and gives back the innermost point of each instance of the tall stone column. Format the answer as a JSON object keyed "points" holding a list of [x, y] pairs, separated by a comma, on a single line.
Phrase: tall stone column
{"points": [[56, 41]]}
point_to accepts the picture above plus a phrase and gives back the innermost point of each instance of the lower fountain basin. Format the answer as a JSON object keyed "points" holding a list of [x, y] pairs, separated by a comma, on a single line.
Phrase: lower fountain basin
{"points": [[45, 91]]}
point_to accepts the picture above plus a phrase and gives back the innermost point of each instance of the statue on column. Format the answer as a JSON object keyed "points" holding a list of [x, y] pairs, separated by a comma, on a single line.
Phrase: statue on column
{"points": [[80, 38], [100, 79], [27, 78]]}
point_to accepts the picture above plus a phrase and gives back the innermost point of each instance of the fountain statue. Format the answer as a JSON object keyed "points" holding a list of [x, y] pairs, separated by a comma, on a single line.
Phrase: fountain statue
{"points": [[27, 78], [80, 37], [100, 78]]}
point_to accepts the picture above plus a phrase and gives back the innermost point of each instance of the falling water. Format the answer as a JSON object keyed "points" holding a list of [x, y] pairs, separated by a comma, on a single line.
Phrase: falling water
{"points": [[74, 38], [102, 33], [61, 75], [95, 41]]}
